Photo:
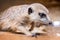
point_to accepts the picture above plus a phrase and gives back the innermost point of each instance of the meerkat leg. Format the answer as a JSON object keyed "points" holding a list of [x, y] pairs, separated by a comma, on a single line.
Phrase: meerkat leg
{"points": [[39, 30], [24, 30]]}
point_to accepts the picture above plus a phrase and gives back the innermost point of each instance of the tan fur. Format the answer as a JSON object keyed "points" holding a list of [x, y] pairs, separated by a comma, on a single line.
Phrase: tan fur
{"points": [[17, 18]]}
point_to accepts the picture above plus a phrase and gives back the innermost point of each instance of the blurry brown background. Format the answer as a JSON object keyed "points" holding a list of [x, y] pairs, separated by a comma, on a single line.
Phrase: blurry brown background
{"points": [[52, 5], [7, 3]]}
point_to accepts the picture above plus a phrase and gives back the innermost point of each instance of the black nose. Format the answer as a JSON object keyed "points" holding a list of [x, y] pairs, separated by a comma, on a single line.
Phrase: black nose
{"points": [[50, 23]]}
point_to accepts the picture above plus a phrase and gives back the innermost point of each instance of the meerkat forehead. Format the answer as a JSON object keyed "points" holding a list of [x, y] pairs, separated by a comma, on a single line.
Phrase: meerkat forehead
{"points": [[38, 6]]}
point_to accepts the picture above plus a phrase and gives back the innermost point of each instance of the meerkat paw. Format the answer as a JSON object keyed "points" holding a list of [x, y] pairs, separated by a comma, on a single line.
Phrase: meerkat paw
{"points": [[30, 34]]}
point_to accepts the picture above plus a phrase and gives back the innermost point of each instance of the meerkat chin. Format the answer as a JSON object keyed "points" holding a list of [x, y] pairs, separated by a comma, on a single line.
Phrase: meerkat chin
{"points": [[19, 18]]}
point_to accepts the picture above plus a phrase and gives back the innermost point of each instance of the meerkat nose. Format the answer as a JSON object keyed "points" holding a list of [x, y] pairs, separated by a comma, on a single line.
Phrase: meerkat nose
{"points": [[50, 23]]}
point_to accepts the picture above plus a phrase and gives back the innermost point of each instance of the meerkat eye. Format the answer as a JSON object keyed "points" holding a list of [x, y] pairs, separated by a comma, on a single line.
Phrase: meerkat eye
{"points": [[30, 10], [42, 15]]}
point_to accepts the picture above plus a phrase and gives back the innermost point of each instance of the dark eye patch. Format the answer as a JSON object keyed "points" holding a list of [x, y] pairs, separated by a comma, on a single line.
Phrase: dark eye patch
{"points": [[42, 15], [30, 10]]}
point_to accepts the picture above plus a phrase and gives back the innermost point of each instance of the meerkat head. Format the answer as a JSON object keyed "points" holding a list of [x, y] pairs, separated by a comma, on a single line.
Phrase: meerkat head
{"points": [[38, 12]]}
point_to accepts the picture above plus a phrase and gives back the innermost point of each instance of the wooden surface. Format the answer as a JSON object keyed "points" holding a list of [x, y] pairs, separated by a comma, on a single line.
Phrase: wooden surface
{"points": [[54, 14], [10, 36]]}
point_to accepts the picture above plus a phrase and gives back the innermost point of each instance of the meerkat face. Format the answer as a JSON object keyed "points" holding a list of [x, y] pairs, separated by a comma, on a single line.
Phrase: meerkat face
{"points": [[38, 12]]}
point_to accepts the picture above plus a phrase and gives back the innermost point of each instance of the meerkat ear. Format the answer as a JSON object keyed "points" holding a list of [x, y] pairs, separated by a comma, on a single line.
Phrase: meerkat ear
{"points": [[30, 10]]}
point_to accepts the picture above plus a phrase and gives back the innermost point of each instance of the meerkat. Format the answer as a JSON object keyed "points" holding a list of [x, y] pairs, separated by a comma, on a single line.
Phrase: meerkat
{"points": [[23, 18]]}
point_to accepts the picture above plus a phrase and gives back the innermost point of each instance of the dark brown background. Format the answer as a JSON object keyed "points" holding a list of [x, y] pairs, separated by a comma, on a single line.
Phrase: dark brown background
{"points": [[7, 3]]}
